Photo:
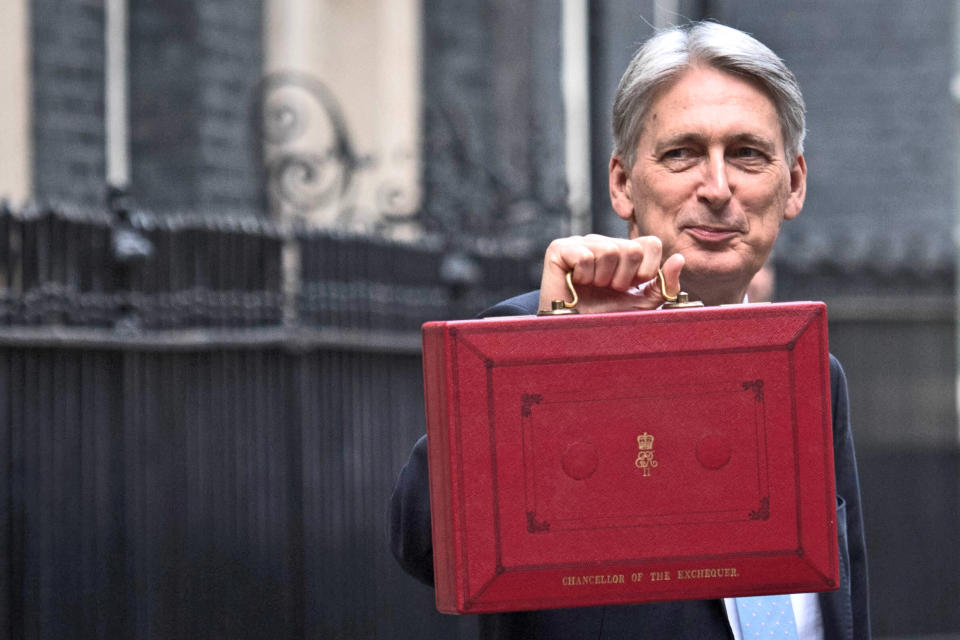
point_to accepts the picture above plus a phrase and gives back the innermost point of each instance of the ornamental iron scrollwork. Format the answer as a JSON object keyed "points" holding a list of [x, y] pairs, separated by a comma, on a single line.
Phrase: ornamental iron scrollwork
{"points": [[312, 166], [313, 171], [299, 179]]}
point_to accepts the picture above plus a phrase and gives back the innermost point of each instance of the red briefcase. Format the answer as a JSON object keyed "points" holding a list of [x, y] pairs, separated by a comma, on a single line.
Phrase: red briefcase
{"points": [[630, 457]]}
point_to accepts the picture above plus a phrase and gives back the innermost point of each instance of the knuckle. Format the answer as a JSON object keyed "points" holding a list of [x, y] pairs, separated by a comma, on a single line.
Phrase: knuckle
{"points": [[564, 248], [603, 247], [653, 243], [634, 252], [558, 244]]}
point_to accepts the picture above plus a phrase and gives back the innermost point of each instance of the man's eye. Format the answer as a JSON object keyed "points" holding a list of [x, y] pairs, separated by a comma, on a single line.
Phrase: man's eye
{"points": [[681, 153], [748, 153]]}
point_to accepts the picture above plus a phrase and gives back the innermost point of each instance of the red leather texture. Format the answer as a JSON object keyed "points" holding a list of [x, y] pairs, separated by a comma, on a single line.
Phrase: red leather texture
{"points": [[630, 457]]}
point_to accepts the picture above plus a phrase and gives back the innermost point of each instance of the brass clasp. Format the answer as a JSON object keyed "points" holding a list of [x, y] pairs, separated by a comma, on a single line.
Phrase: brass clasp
{"points": [[562, 307], [679, 301]]}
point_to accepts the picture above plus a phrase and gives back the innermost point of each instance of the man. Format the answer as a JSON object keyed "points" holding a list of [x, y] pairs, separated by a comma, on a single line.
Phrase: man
{"points": [[707, 164]]}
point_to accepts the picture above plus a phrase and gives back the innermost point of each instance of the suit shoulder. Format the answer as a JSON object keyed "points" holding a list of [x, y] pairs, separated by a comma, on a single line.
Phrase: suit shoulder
{"points": [[837, 376], [521, 305]]}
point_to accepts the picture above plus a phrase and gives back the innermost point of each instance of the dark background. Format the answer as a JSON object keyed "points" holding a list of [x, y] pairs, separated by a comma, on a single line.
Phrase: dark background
{"points": [[194, 444]]}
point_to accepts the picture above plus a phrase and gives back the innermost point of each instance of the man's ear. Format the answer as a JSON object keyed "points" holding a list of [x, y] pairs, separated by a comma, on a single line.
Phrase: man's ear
{"points": [[621, 191], [798, 188]]}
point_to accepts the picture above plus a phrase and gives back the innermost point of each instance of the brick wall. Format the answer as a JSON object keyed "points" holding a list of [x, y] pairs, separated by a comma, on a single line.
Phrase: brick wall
{"points": [[68, 100], [230, 41], [193, 73]]}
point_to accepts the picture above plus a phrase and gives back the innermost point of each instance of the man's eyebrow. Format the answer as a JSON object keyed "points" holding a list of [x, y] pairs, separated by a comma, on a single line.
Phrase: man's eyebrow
{"points": [[755, 140], [679, 139], [696, 138]]}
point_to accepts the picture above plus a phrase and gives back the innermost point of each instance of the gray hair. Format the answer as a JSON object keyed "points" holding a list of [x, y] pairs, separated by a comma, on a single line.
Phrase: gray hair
{"points": [[672, 51]]}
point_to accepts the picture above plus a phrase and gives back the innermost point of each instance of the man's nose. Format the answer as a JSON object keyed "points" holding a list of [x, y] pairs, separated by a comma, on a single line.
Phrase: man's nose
{"points": [[714, 190]]}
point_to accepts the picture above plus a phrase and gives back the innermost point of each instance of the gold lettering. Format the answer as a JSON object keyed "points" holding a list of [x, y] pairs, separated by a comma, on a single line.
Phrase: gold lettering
{"points": [[575, 581], [709, 573], [704, 573]]}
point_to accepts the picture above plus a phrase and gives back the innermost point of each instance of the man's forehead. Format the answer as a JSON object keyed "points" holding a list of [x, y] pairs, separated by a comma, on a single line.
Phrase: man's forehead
{"points": [[709, 102]]}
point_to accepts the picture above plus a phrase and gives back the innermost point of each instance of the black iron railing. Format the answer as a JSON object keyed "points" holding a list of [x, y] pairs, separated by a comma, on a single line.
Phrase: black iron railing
{"points": [[64, 267]]}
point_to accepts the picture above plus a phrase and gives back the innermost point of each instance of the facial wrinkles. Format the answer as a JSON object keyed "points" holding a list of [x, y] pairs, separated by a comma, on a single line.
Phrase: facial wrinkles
{"points": [[712, 128], [691, 210], [732, 198]]}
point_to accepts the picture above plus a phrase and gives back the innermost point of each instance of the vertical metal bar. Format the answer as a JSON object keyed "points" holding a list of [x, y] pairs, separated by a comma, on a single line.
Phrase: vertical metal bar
{"points": [[318, 482], [366, 270], [59, 255], [225, 279], [175, 266], [109, 369], [370, 407], [244, 471], [292, 398], [16, 383], [44, 251], [201, 475], [138, 601], [160, 311], [28, 260], [193, 274], [92, 454], [247, 283], [330, 279], [275, 276], [39, 579], [5, 215], [213, 265], [240, 271], [353, 489], [257, 497], [313, 256], [93, 249], [77, 271], [174, 378], [6, 497], [15, 260], [7, 284], [68, 492], [203, 265]]}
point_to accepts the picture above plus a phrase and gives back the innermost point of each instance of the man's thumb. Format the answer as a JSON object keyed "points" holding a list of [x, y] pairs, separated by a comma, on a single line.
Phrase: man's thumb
{"points": [[671, 273]]}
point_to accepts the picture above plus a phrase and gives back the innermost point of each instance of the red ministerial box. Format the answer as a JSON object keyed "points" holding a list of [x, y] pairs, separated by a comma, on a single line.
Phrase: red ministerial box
{"points": [[630, 457]]}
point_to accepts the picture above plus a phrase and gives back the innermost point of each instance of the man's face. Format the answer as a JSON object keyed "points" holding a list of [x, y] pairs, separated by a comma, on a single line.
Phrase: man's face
{"points": [[711, 180]]}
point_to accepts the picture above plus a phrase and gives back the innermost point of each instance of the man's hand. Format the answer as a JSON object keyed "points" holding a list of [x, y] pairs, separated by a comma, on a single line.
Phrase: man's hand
{"points": [[610, 274]]}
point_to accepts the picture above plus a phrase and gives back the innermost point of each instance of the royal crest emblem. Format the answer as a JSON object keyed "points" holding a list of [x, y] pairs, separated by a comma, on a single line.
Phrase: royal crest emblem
{"points": [[645, 459]]}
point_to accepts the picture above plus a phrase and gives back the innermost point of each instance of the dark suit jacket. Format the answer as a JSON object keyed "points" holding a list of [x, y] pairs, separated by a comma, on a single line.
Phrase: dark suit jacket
{"points": [[845, 611]]}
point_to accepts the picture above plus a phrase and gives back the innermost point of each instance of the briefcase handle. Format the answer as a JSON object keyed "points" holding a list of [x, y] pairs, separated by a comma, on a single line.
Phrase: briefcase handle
{"points": [[562, 307]]}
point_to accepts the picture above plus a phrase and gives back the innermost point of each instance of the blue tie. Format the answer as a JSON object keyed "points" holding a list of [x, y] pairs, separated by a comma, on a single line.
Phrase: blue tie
{"points": [[767, 617]]}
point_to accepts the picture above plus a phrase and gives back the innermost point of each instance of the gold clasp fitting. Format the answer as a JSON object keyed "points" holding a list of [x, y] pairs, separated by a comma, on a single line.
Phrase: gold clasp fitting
{"points": [[562, 307], [679, 301]]}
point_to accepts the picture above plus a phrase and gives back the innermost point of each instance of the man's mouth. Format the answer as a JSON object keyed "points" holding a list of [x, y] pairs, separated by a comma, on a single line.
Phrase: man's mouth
{"points": [[711, 234]]}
